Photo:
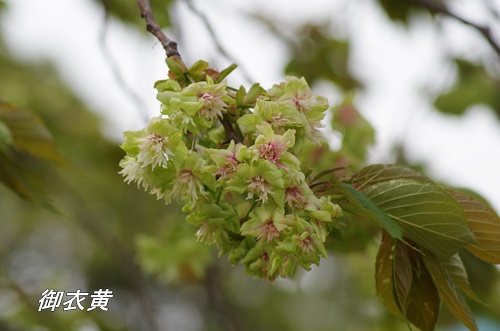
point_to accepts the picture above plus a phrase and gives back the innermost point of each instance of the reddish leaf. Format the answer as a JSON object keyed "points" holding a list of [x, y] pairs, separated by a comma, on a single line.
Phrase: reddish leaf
{"points": [[384, 280], [423, 301], [402, 271], [484, 223]]}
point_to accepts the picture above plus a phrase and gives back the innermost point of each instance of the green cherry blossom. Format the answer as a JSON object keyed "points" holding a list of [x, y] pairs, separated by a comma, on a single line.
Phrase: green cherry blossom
{"points": [[227, 160], [311, 107], [133, 171], [273, 148], [265, 223], [189, 182], [180, 109], [158, 145], [234, 166], [261, 181], [214, 98], [217, 223], [298, 94], [279, 115], [298, 196]]}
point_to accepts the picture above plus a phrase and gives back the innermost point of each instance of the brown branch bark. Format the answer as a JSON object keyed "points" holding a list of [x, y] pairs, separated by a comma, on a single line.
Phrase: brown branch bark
{"points": [[152, 26], [230, 132], [441, 8]]}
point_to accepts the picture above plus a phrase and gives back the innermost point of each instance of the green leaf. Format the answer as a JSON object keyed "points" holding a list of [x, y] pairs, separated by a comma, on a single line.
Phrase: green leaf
{"points": [[377, 173], [197, 68], [176, 65], [224, 73], [255, 91], [484, 223], [427, 214], [384, 279], [364, 206], [448, 291], [458, 274]]}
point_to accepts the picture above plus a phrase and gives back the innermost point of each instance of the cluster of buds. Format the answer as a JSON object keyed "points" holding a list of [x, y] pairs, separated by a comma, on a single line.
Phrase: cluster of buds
{"points": [[230, 157]]}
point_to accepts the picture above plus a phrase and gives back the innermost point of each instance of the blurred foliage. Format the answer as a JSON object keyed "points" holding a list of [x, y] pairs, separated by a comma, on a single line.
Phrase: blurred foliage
{"points": [[474, 85], [25, 141], [101, 232], [128, 11], [357, 134], [174, 255], [86, 241], [402, 10], [316, 55]]}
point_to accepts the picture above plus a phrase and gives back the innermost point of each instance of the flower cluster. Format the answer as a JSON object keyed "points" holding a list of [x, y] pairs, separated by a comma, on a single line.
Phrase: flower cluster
{"points": [[230, 157]]}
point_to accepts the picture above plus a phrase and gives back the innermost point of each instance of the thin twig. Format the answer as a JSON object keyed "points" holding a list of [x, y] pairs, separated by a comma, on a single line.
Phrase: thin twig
{"points": [[139, 103], [491, 7], [152, 26], [230, 132], [216, 40], [442, 9]]}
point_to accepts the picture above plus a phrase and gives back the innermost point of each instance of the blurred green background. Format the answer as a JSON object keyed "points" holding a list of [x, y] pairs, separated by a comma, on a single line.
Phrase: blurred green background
{"points": [[68, 221]]}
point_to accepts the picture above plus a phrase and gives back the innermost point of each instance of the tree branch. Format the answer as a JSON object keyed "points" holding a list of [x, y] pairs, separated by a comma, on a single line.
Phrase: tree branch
{"points": [[152, 26], [230, 132], [442, 9]]}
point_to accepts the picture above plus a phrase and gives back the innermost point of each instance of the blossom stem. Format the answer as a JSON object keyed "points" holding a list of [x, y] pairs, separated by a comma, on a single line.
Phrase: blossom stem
{"points": [[193, 143], [337, 197], [219, 194], [249, 211], [230, 133]]}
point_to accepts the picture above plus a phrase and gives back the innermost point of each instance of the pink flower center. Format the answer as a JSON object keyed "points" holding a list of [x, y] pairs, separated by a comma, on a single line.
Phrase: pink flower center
{"points": [[294, 198], [258, 185], [268, 231], [154, 150], [306, 245], [229, 167], [212, 106], [207, 233], [272, 151]]}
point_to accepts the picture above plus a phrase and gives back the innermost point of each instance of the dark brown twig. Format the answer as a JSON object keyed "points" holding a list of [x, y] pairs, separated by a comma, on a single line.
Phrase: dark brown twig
{"points": [[442, 9], [152, 26], [230, 132]]}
